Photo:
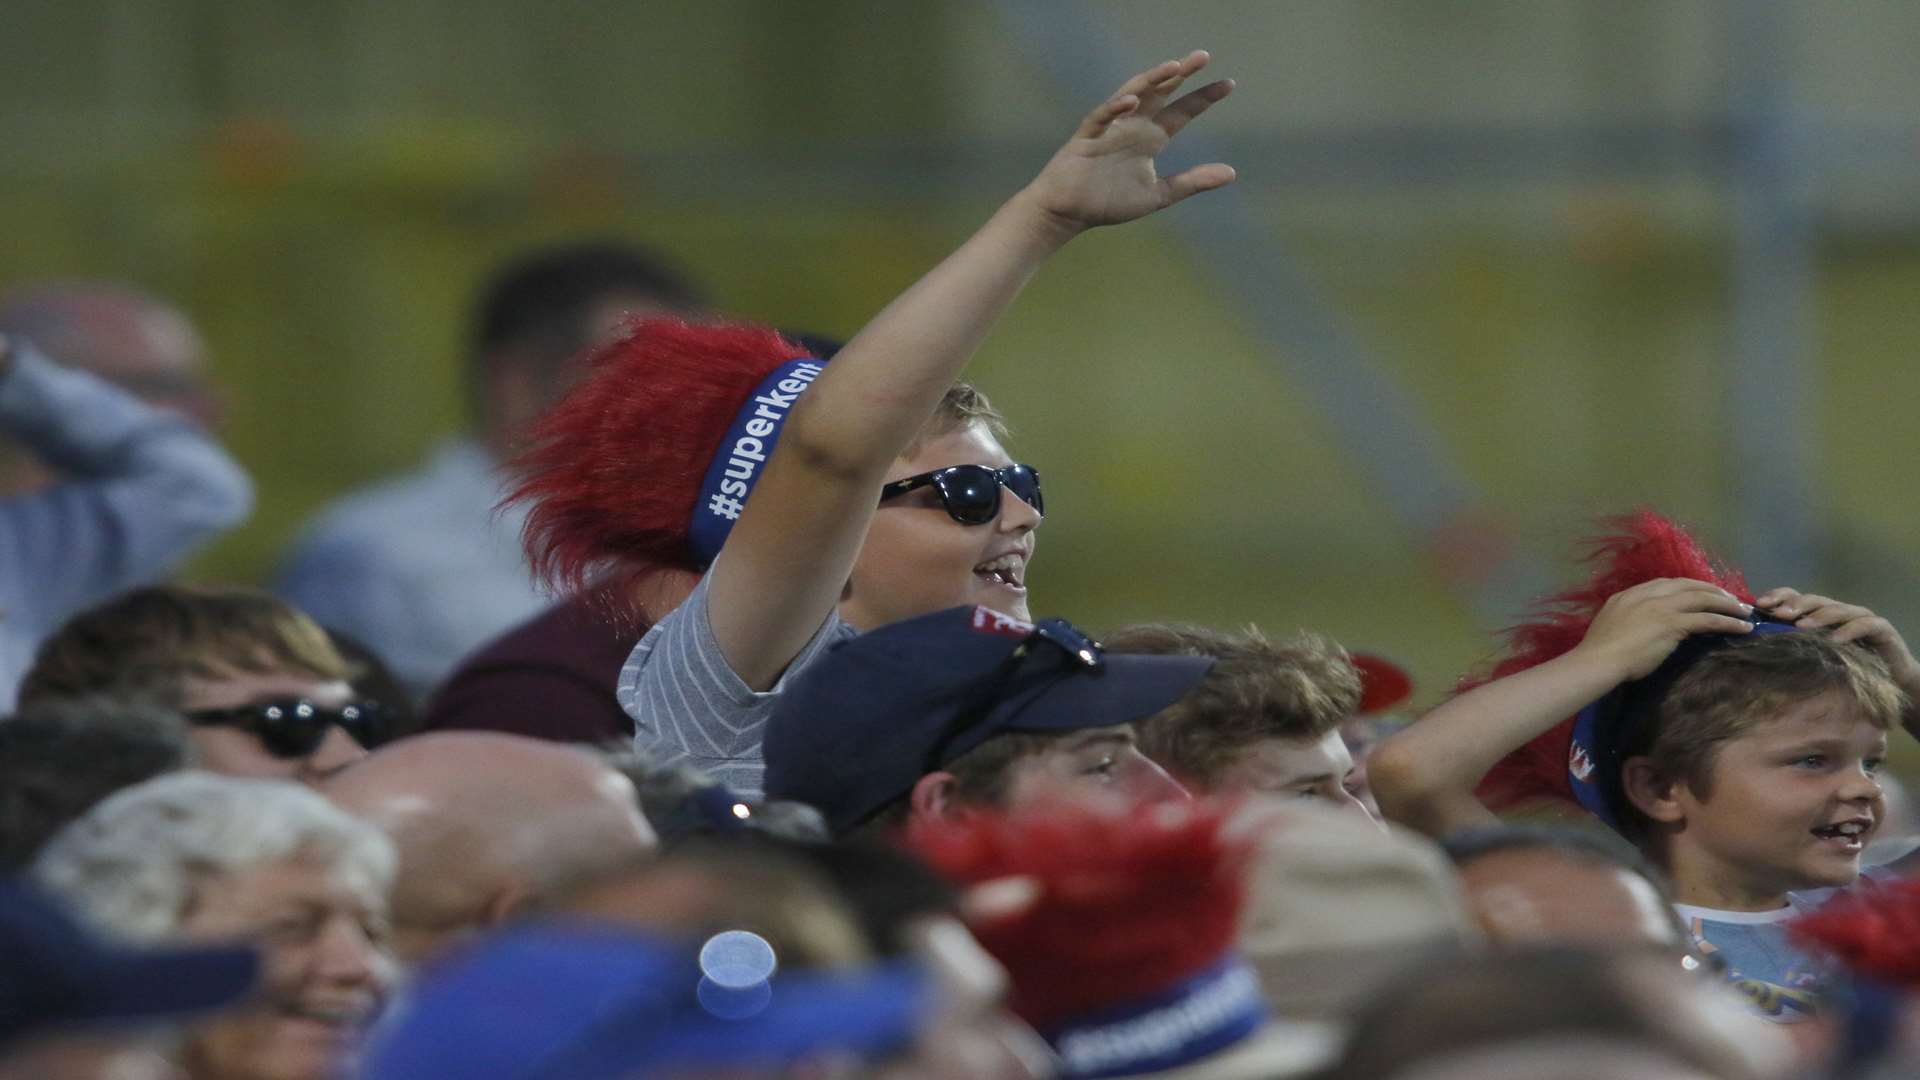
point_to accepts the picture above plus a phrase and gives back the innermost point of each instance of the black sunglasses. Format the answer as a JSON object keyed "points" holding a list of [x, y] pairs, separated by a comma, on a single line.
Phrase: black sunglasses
{"points": [[1078, 651], [295, 727], [971, 493]]}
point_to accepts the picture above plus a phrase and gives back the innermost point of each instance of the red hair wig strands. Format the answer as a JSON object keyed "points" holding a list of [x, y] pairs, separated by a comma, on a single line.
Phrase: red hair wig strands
{"points": [[612, 471], [1874, 930], [1130, 902], [1642, 547]]}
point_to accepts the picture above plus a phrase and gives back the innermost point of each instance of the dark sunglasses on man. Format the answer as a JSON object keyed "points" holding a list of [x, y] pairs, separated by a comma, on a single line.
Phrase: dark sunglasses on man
{"points": [[971, 493], [295, 727]]}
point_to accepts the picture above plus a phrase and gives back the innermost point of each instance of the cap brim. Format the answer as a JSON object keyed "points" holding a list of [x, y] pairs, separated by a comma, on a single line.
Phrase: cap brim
{"points": [[558, 1002], [154, 984], [1123, 689], [866, 1013]]}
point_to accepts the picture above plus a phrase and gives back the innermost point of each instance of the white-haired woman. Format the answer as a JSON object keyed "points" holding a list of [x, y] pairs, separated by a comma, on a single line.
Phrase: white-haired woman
{"points": [[194, 857]]}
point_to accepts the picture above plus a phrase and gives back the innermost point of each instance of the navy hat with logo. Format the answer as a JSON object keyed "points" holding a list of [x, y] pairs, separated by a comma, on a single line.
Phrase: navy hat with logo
{"points": [[858, 727], [56, 975]]}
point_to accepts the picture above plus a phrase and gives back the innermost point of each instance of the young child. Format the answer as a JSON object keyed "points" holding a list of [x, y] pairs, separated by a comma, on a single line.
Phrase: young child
{"points": [[813, 499], [1734, 739], [1266, 718]]}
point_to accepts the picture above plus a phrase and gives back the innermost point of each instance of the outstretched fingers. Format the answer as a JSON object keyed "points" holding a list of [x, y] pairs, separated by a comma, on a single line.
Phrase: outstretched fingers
{"points": [[1196, 180], [1154, 85], [1103, 116], [1182, 112]]}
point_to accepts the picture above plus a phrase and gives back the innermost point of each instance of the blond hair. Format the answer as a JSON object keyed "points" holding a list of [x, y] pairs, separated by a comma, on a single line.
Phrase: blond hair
{"points": [[1298, 690], [148, 642], [961, 407]]}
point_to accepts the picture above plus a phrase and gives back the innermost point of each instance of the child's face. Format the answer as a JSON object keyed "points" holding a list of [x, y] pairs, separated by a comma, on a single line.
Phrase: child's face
{"points": [[1778, 792], [917, 559]]}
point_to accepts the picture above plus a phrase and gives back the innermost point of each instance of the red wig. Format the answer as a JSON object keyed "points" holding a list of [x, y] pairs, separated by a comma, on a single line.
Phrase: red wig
{"points": [[1874, 930], [1643, 547], [1129, 902], [612, 471]]}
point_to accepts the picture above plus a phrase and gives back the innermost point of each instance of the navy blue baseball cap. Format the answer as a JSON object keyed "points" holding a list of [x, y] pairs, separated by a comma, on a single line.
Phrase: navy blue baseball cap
{"points": [[54, 974], [862, 724], [582, 1001]]}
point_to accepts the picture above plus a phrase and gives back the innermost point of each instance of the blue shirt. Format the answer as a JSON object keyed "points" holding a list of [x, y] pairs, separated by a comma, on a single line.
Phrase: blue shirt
{"points": [[421, 568], [1784, 982], [140, 488]]}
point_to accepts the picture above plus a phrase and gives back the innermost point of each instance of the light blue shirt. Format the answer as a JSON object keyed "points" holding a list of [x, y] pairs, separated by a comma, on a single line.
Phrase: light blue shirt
{"points": [[421, 568], [140, 488], [1783, 982]]}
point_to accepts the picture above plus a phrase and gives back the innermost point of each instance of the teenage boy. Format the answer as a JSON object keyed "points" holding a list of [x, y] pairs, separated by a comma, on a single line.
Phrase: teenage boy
{"points": [[1267, 717], [1734, 740], [263, 689], [814, 500], [927, 717]]}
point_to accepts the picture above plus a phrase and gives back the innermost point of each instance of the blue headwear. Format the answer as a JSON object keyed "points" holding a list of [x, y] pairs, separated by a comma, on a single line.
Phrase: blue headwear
{"points": [[743, 454], [1604, 731]]}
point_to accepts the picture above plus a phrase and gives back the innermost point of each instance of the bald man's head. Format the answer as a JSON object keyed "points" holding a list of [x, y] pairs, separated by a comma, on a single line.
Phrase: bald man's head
{"points": [[487, 825], [125, 336]]}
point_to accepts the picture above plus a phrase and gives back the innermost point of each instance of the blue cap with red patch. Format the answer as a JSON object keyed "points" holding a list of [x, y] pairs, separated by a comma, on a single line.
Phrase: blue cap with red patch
{"points": [[858, 727]]}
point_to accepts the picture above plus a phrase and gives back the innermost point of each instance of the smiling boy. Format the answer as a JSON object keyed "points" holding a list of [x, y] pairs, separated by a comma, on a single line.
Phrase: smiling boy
{"points": [[882, 493], [1736, 743]]}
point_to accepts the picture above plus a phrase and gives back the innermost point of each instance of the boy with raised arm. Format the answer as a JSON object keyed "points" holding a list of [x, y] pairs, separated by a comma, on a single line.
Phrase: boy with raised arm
{"points": [[1734, 739], [879, 488]]}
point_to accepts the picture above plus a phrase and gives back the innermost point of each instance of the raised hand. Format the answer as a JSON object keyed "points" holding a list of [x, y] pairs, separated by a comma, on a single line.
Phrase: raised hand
{"points": [[1638, 628], [1105, 174], [1847, 622]]}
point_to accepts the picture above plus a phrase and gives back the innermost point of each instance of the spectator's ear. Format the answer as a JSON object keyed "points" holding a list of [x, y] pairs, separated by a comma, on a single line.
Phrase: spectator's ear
{"points": [[933, 797], [1651, 792]]}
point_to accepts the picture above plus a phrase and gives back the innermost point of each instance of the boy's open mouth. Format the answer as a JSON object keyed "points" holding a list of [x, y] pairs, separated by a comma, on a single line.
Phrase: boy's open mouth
{"points": [[1850, 834], [1009, 570]]}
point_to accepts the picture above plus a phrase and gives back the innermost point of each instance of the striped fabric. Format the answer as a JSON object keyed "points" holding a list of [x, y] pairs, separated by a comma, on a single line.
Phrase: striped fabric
{"points": [[688, 705]]}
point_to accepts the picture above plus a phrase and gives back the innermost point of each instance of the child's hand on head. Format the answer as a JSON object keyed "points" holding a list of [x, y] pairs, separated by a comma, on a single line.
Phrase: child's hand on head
{"points": [[1638, 628], [1847, 622], [1105, 174]]}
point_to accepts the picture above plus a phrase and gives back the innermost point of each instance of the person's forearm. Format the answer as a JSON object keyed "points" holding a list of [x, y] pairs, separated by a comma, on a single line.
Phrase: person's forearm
{"points": [[1422, 774], [879, 390], [144, 487]]}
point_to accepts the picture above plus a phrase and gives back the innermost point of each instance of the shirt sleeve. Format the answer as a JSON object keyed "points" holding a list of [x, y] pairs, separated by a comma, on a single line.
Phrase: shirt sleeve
{"points": [[689, 705], [141, 488]]}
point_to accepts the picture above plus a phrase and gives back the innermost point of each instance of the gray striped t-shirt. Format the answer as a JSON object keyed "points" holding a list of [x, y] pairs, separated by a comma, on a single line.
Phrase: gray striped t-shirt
{"points": [[688, 705]]}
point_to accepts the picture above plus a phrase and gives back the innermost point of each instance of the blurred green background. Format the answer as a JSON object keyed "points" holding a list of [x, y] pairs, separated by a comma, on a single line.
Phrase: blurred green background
{"points": [[1522, 213]]}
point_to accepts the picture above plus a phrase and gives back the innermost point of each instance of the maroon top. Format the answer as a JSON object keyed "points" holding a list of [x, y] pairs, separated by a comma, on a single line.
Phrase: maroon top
{"points": [[551, 677]]}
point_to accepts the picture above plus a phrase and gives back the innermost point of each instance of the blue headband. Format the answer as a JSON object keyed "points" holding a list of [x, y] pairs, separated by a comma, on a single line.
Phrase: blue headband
{"points": [[1603, 729], [1195, 1019], [742, 454]]}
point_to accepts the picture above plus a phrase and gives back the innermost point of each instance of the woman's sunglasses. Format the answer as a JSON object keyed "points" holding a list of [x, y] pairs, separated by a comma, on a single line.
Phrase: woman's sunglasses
{"points": [[295, 727], [971, 493]]}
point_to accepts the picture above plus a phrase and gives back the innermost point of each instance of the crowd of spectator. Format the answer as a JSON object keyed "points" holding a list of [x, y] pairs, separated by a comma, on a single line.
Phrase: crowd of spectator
{"points": [[783, 778]]}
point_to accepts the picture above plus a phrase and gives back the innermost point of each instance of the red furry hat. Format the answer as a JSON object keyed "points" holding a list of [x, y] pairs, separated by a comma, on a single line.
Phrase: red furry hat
{"points": [[1643, 547], [1128, 903], [1875, 931], [613, 470]]}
